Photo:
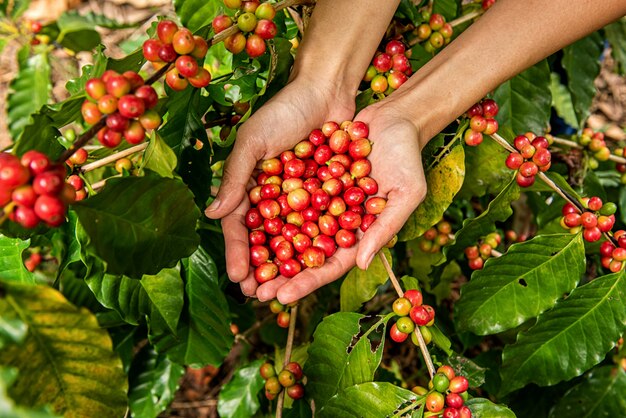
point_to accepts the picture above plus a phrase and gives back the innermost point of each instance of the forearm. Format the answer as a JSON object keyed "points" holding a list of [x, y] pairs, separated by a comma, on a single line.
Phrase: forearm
{"points": [[509, 38], [341, 39]]}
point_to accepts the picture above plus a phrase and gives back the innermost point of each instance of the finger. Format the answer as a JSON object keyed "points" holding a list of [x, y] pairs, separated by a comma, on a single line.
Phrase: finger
{"points": [[267, 291], [400, 205], [236, 243], [249, 286], [313, 278], [237, 171]]}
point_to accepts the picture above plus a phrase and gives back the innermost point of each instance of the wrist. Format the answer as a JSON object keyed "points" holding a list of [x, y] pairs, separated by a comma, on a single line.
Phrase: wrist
{"points": [[336, 89], [426, 114]]}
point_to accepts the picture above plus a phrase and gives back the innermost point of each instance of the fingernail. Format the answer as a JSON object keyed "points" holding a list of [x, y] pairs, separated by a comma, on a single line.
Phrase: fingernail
{"points": [[213, 206]]}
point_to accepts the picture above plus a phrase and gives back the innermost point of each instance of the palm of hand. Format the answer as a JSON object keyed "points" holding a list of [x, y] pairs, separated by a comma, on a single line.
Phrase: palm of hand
{"points": [[279, 125], [397, 167]]}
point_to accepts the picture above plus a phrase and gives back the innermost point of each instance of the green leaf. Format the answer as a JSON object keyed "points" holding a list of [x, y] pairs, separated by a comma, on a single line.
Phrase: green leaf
{"points": [[448, 8], [408, 10], [30, 90], [195, 170], [444, 181], [300, 409], [346, 350], [12, 330], [204, 337], [419, 57], [466, 367], [159, 158], [195, 14], [364, 99], [77, 32], [157, 297], [11, 264], [238, 398], [13, 9], [372, 399], [76, 86], [184, 123], [484, 165], [42, 131], [616, 35], [165, 292], [441, 340], [580, 77], [153, 381], [570, 338], [94, 19], [600, 394], [8, 409], [524, 101], [67, 360], [140, 225], [499, 210], [562, 101], [360, 286], [484, 408], [521, 284], [131, 62]]}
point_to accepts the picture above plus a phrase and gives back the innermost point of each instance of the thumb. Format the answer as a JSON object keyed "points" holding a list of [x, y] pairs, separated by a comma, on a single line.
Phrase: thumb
{"points": [[237, 171]]}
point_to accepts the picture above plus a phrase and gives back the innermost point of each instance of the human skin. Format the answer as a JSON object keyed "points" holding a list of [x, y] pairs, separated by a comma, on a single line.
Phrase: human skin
{"points": [[509, 38]]}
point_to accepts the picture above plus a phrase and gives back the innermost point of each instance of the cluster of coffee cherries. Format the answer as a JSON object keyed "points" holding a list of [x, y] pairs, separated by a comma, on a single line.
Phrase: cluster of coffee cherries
{"points": [[446, 394], [481, 122], [33, 189], [595, 144], [597, 218], [437, 32], [127, 103], [412, 313], [478, 254], [289, 378], [312, 199], [389, 69], [613, 257], [179, 46], [436, 237], [533, 157], [255, 21], [283, 316], [33, 261]]}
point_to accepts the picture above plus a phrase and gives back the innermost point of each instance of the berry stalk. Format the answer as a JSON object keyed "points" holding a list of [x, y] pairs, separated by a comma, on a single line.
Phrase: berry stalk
{"points": [[572, 144], [288, 348], [156, 76], [465, 18], [394, 280], [113, 157], [82, 140]]}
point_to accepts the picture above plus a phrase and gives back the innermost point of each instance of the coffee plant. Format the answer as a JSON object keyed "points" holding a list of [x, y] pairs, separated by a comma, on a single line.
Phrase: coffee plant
{"points": [[113, 283]]}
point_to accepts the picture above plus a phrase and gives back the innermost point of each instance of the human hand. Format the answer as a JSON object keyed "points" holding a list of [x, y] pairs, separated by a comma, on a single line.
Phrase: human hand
{"points": [[285, 120], [397, 167]]}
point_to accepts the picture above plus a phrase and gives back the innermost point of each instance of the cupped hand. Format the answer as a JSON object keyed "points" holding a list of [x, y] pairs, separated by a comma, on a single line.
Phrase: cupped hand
{"points": [[285, 120], [397, 167]]}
